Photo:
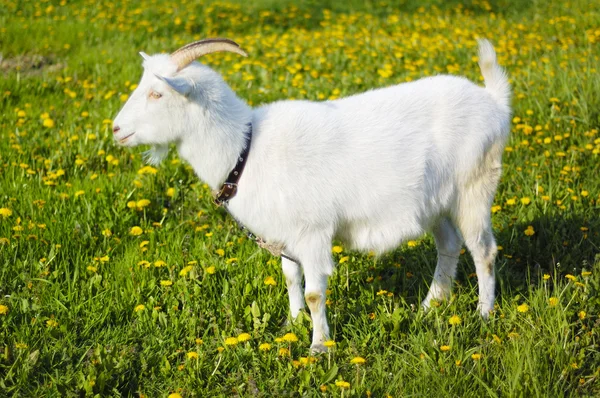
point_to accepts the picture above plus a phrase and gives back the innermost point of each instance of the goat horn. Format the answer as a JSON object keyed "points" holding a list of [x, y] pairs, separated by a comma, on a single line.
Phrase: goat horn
{"points": [[186, 54]]}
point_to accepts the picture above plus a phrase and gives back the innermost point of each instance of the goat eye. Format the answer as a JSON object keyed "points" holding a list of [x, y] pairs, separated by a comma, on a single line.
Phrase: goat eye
{"points": [[154, 94]]}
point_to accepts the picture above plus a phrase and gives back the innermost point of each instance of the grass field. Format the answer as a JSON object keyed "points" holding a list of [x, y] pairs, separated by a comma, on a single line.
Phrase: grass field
{"points": [[117, 278]]}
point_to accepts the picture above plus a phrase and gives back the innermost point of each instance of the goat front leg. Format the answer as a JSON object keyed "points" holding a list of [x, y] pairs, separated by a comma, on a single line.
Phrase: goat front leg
{"points": [[293, 280], [315, 295], [315, 257]]}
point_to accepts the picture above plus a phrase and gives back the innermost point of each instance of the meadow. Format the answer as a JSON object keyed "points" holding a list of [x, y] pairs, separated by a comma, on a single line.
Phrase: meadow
{"points": [[122, 279]]}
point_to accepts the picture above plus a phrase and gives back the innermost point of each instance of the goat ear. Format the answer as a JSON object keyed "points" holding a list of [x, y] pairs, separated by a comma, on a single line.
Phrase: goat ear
{"points": [[178, 84], [144, 55]]}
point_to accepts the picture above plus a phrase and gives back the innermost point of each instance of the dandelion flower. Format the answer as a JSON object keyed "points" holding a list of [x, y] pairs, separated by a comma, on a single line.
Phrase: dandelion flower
{"points": [[166, 283], [454, 320], [342, 384], [290, 338], [192, 355], [185, 270], [142, 203], [329, 343], [344, 259], [231, 341], [337, 249], [3, 309], [476, 357], [210, 270], [244, 337], [529, 231], [358, 360], [139, 307], [553, 301], [51, 323], [4, 212], [284, 352], [523, 308], [525, 201], [269, 280], [136, 231], [571, 277], [264, 347], [174, 395], [445, 348], [581, 315]]}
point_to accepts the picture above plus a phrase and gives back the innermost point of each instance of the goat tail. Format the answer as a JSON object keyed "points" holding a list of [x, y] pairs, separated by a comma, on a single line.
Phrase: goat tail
{"points": [[495, 77]]}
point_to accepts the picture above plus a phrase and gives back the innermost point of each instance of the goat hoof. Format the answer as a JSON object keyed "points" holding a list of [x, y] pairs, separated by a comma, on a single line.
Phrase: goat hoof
{"points": [[318, 349]]}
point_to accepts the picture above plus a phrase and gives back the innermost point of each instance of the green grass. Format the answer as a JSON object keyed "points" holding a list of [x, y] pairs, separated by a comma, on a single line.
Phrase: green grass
{"points": [[73, 278]]}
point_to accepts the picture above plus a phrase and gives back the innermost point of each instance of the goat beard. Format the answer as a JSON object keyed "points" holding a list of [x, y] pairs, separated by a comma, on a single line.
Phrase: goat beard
{"points": [[156, 154]]}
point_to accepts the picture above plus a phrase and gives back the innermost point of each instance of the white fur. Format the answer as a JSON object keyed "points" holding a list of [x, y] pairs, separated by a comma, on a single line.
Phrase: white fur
{"points": [[372, 169]]}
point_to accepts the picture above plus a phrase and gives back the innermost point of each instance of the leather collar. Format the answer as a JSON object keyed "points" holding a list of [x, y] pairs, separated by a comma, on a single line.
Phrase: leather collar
{"points": [[229, 188]]}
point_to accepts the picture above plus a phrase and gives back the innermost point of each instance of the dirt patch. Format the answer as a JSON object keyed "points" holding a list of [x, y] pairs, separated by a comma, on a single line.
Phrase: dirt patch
{"points": [[29, 64]]}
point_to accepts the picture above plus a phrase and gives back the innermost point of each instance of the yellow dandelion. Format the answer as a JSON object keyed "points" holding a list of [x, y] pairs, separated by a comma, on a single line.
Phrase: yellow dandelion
{"points": [[476, 357], [139, 307], [581, 315], [192, 355], [166, 283], [220, 252], [4, 212], [140, 204], [264, 347], [49, 123], [244, 337], [344, 259], [174, 395], [523, 308], [529, 231], [210, 270], [586, 273], [445, 348], [231, 341], [170, 192], [283, 352], [329, 343], [199, 341], [51, 323], [290, 338], [454, 320], [358, 360], [553, 301], [269, 280], [337, 249], [342, 384], [546, 277], [136, 231], [571, 277], [185, 270], [3, 309], [525, 201]]}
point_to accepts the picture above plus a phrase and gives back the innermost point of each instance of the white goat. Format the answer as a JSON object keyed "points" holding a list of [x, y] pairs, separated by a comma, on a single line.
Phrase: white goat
{"points": [[372, 169]]}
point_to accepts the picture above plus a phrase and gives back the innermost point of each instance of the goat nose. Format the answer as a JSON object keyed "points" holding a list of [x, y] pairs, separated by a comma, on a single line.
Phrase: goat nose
{"points": [[116, 129]]}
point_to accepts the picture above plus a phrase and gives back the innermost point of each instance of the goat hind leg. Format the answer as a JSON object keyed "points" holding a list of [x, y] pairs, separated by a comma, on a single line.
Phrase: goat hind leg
{"points": [[448, 243]]}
